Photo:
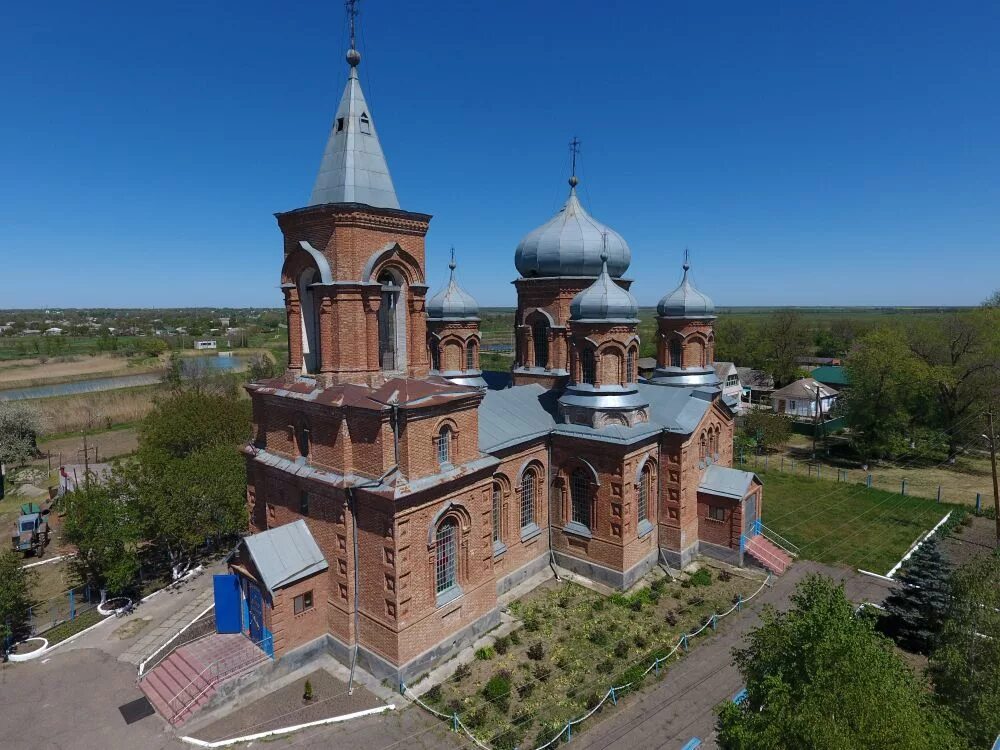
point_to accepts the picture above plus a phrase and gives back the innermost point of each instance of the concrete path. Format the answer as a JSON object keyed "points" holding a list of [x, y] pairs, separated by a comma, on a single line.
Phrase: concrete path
{"points": [[682, 705]]}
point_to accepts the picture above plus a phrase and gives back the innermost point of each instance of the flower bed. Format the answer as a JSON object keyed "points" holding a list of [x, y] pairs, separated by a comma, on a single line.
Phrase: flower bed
{"points": [[573, 645]]}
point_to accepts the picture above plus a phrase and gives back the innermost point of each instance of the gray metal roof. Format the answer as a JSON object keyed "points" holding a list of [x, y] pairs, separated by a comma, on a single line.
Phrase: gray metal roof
{"points": [[604, 301], [685, 301], [570, 244], [805, 389], [675, 409], [726, 482], [353, 169], [452, 302], [285, 554], [515, 415]]}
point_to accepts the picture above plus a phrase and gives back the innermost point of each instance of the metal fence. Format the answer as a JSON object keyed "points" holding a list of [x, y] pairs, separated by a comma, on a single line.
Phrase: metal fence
{"points": [[66, 607]]}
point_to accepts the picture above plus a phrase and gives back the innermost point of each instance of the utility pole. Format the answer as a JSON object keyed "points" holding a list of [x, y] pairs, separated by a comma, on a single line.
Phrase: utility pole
{"points": [[993, 461], [816, 420]]}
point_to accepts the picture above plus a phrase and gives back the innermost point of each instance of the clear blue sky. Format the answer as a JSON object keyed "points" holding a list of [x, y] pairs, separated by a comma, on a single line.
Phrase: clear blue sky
{"points": [[807, 153]]}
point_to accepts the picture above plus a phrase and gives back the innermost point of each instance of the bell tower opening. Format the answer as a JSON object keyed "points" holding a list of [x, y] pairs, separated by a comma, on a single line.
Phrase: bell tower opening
{"points": [[310, 323], [391, 324]]}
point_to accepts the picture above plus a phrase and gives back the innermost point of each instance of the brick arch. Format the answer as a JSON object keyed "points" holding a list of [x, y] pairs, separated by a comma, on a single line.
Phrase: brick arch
{"points": [[392, 256], [578, 462], [531, 463], [305, 257], [451, 510], [648, 460]]}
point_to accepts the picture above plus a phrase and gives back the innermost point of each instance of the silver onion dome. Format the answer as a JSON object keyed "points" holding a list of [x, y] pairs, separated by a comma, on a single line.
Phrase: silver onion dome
{"points": [[570, 244], [604, 301], [686, 301], [452, 302]]}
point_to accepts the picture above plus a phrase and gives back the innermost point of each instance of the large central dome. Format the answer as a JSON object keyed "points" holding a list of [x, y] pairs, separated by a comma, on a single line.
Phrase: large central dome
{"points": [[570, 244]]}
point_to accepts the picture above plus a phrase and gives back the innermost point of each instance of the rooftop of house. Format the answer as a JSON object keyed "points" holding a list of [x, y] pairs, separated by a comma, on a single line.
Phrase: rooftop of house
{"points": [[805, 389], [831, 375]]}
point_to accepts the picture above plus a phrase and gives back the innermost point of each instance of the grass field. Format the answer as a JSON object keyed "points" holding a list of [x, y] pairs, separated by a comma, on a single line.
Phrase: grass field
{"points": [[846, 524]]}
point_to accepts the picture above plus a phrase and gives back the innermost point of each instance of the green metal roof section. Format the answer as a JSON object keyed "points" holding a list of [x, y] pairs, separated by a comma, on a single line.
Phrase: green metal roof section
{"points": [[830, 375]]}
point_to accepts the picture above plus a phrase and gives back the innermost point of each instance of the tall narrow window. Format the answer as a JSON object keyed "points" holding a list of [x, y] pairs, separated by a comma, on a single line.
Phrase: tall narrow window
{"points": [[388, 323], [540, 335], [579, 489], [366, 124], [702, 447], [630, 366], [304, 503], [446, 543], [302, 437], [435, 355], [470, 356], [675, 353], [497, 499], [528, 498], [645, 491], [588, 368], [444, 445]]}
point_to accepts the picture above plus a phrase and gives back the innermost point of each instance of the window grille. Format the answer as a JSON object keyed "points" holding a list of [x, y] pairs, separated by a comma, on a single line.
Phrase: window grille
{"points": [[580, 497], [470, 356], [630, 366], [717, 513], [303, 602], [444, 446], [588, 368], [528, 498], [645, 490], [435, 356], [497, 496], [675, 353], [446, 555]]}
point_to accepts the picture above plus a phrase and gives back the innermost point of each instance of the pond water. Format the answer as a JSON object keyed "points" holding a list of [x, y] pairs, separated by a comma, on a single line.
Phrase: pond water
{"points": [[191, 366]]}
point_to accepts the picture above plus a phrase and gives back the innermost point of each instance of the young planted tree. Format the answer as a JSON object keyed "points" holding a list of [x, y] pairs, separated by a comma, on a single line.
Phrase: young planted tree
{"points": [[965, 664], [918, 604], [820, 677], [19, 427], [15, 598]]}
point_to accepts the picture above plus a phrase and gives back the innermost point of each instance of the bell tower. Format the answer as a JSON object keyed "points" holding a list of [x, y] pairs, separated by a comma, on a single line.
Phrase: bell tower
{"points": [[353, 274]]}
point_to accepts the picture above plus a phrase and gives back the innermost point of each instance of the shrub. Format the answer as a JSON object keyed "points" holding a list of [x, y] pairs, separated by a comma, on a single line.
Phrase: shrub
{"points": [[525, 689], [659, 585], [497, 691], [551, 732], [522, 717], [671, 618], [725, 576], [702, 577], [515, 637], [542, 672], [695, 601], [462, 671], [592, 700], [307, 692], [619, 599], [476, 717], [485, 653], [635, 605], [433, 695], [501, 645], [598, 605], [531, 622], [621, 649], [536, 651], [598, 637], [455, 705], [641, 642], [605, 667], [507, 739]]}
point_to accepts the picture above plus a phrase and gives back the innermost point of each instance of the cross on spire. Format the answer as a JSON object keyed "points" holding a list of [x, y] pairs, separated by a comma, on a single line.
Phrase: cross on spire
{"points": [[687, 259], [352, 13], [574, 151]]}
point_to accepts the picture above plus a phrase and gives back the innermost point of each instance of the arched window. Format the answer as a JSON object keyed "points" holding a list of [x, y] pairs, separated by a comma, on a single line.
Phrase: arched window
{"points": [[309, 313], [579, 490], [302, 438], [675, 353], [446, 555], [470, 356], [366, 124], [630, 376], [391, 324], [497, 500], [444, 446], [588, 368], [435, 355], [645, 491], [528, 482], [540, 337], [702, 447]]}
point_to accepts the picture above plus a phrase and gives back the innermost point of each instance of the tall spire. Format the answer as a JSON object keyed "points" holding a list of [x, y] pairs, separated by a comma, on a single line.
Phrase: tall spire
{"points": [[353, 169]]}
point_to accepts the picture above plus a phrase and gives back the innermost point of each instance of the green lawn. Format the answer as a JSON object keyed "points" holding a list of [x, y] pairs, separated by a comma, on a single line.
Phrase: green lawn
{"points": [[843, 523]]}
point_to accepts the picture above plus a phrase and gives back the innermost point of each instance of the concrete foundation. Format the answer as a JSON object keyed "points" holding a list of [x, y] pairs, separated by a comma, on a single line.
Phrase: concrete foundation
{"points": [[616, 579]]}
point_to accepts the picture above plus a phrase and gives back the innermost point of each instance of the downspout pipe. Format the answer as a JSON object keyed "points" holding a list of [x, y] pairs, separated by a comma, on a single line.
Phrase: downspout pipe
{"points": [[548, 482]]}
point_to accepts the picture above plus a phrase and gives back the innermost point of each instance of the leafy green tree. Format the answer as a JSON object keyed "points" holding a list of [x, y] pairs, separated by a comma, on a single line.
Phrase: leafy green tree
{"points": [[764, 429], [962, 354], [965, 665], [739, 340], [104, 522], [15, 597], [820, 677], [188, 475], [174, 376], [785, 337], [918, 604], [154, 347], [888, 384], [19, 427], [262, 367]]}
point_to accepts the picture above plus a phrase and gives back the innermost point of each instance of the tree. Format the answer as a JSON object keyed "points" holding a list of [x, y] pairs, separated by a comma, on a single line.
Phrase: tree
{"points": [[187, 475], [15, 599], [154, 347], [174, 376], [104, 522], [765, 428], [262, 367], [820, 677], [962, 354], [887, 383], [738, 340], [965, 665], [785, 339], [993, 300], [19, 427], [918, 604]]}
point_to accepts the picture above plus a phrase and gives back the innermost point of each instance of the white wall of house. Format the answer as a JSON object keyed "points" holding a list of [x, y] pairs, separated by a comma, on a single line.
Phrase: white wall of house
{"points": [[801, 407]]}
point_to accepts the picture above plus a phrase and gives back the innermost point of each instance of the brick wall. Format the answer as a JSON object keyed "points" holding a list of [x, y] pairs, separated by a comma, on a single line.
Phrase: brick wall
{"points": [[507, 476], [291, 630]]}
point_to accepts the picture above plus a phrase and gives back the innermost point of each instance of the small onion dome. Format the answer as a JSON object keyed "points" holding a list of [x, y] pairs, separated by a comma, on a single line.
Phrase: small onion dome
{"points": [[686, 301], [570, 244], [452, 302], [604, 301]]}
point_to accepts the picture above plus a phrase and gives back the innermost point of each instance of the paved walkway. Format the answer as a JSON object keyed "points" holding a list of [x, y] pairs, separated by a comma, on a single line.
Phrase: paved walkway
{"points": [[190, 607], [682, 705]]}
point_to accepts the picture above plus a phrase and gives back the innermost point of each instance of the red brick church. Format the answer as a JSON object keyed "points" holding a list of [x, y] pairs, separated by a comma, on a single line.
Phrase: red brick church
{"points": [[394, 496]]}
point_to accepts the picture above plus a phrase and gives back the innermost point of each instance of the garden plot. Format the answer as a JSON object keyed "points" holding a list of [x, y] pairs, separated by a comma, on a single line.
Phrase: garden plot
{"points": [[572, 646]]}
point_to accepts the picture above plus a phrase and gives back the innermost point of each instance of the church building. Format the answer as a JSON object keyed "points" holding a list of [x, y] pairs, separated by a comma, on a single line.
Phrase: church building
{"points": [[394, 497]]}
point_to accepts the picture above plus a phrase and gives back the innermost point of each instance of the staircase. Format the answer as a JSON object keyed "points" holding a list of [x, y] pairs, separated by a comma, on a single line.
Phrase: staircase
{"points": [[187, 679], [768, 554]]}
